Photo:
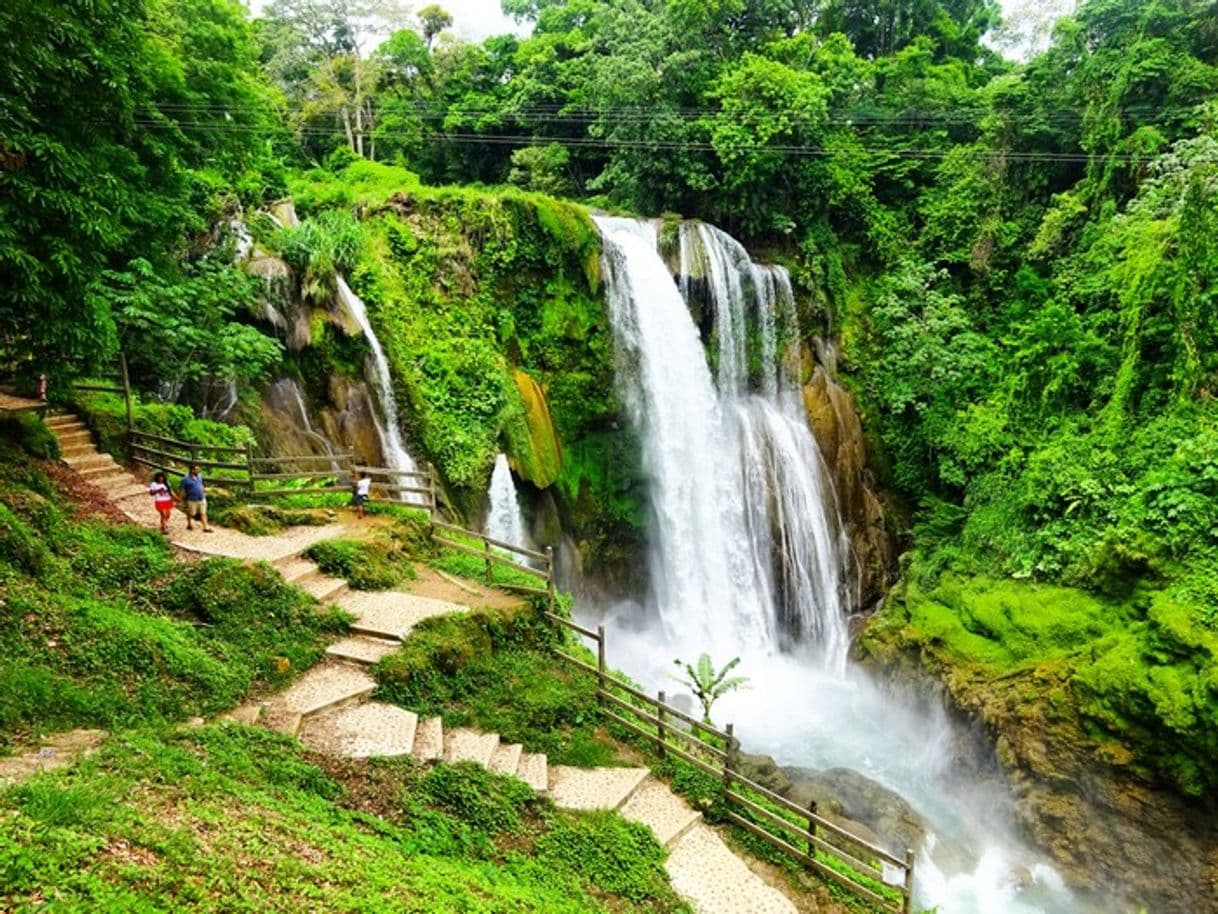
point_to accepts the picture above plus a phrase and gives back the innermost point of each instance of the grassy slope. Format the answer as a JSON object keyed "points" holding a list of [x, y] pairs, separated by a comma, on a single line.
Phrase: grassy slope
{"points": [[100, 627], [238, 820]]}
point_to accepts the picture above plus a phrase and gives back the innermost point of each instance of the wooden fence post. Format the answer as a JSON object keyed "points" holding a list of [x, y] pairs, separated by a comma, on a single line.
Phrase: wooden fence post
{"points": [[122, 364], [550, 595], [431, 485], [249, 469], [660, 722], [909, 867], [728, 763], [813, 809], [600, 665], [490, 569]]}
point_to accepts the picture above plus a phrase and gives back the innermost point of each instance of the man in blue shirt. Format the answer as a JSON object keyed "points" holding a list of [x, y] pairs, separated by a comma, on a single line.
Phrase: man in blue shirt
{"points": [[195, 497]]}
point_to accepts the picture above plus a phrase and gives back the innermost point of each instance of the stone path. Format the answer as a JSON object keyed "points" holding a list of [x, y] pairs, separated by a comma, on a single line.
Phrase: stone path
{"points": [[329, 708]]}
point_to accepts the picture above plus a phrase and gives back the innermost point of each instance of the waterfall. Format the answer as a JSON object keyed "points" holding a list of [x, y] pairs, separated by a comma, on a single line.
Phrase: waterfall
{"points": [[504, 520], [745, 545], [389, 431], [285, 396]]}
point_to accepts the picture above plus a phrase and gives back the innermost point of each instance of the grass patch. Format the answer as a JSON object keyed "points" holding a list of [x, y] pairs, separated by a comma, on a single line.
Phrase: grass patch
{"points": [[379, 564], [239, 820], [495, 671]]}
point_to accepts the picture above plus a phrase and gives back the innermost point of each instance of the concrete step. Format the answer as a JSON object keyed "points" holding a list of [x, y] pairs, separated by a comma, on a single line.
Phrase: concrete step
{"points": [[73, 437], [76, 451], [363, 731], [297, 570], [667, 815], [327, 687], [533, 769], [325, 589], [428, 740], [113, 481], [362, 649], [594, 788], [63, 421], [462, 745], [389, 614], [705, 872], [89, 461], [506, 758], [130, 489]]}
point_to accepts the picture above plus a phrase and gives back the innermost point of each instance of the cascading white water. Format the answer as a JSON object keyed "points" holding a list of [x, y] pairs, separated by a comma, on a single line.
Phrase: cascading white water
{"points": [[705, 586], [390, 432], [745, 557], [285, 395], [745, 547], [504, 520]]}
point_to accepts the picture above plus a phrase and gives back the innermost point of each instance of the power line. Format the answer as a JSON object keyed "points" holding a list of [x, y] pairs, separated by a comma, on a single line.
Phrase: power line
{"points": [[611, 143]]}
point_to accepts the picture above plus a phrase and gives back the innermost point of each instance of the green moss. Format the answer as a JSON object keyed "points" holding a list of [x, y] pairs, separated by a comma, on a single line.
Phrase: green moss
{"points": [[381, 564], [1139, 673]]}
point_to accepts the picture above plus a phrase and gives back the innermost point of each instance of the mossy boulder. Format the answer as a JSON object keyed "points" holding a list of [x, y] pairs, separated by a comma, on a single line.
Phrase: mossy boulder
{"points": [[536, 455]]}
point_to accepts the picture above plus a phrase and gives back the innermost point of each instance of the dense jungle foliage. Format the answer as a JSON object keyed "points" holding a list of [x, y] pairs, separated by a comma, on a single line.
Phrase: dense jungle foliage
{"points": [[1019, 257]]}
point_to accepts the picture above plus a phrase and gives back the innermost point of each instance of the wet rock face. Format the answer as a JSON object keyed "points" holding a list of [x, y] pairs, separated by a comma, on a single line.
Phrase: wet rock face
{"points": [[838, 430], [846, 798]]}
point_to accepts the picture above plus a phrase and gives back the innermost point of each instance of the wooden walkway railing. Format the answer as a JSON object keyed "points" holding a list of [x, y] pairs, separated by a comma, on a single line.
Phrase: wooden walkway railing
{"points": [[866, 870], [237, 468]]}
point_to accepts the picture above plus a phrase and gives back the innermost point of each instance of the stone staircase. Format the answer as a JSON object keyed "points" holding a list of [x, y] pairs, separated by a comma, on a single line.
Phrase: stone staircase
{"points": [[329, 708]]}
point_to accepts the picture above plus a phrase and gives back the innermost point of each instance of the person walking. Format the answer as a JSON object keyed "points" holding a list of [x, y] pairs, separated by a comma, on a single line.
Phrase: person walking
{"points": [[195, 496], [362, 488], [162, 499]]}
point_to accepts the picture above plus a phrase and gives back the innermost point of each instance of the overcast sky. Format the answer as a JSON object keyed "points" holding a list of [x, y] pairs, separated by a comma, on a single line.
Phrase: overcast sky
{"points": [[478, 19]]}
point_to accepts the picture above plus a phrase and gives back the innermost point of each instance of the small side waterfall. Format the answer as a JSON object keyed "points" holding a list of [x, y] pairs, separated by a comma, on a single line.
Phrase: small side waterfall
{"points": [[389, 429], [745, 541], [504, 520], [285, 396]]}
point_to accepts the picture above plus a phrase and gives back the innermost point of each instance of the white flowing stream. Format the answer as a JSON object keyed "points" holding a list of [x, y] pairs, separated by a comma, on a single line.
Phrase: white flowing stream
{"points": [[746, 557], [504, 520], [389, 430]]}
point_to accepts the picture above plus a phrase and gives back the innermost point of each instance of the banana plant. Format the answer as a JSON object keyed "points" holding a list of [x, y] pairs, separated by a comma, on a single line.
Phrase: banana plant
{"points": [[707, 684]]}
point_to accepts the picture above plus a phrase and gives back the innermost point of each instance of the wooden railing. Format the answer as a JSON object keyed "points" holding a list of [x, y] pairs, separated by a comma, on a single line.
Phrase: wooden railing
{"points": [[539, 565], [869, 872], [321, 474]]}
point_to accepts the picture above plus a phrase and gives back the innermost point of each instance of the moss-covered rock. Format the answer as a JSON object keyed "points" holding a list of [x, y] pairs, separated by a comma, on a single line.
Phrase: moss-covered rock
{"points": [[538, 457], [1103, 713]]}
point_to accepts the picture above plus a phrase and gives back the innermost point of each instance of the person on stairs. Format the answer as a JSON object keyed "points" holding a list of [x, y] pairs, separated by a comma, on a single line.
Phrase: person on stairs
{"points": [[162, 499], [195, 496]]}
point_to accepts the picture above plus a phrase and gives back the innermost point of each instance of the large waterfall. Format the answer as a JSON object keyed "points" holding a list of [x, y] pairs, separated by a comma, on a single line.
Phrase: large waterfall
{"points": [[744, 539], [390, 431], [746, 561]]}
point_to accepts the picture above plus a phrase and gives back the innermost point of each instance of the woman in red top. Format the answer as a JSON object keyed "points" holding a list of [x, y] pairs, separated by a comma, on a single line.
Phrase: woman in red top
{"points": [[162, 499]]}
